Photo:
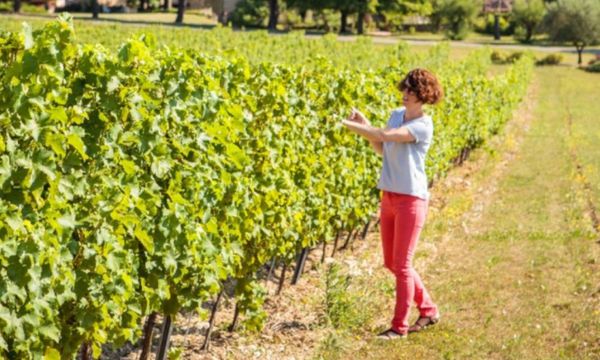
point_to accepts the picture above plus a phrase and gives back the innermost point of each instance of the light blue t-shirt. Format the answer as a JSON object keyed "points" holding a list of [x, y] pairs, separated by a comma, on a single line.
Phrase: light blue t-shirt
{"points": [[403, 169]]}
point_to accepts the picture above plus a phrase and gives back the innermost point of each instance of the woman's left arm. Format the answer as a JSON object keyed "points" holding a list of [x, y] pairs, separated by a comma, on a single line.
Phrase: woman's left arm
{"points": [[371, 133]]}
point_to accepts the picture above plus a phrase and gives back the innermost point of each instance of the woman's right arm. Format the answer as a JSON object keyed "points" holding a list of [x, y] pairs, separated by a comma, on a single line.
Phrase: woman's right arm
{"points": [[361, 119]]}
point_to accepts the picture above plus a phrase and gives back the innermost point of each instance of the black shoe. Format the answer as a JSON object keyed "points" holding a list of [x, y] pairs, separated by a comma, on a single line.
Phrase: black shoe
{"points": [[391, 334]]}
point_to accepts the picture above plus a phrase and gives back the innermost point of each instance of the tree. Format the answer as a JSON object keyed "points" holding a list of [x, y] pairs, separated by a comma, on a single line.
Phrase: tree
{"points": [[574, 21], [365, 7], [362, 12], [181, 4], [273, 14], [17, 6], [251, 13], [345, 7], [362, 8], [304, 5], [457, 16], [435, 18], [528, 15], [349, 7], [406, 7], [95, 9]]}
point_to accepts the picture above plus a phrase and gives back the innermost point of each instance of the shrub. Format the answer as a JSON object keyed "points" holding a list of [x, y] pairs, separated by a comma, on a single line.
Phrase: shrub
{"points": [[552, 59], [33, 9], [327, 19], [514, 56], [7, 6], [499, 57], [527, 14], [457, 16], [485, 24], [250, 13], [292, 19], [594, 67]]}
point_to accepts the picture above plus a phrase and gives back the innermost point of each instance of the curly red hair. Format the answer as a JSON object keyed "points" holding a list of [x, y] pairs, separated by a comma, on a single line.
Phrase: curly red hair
{"points": [[424, 85]]}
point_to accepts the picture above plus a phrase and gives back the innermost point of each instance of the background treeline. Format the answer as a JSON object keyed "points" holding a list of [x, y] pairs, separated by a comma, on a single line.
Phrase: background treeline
{"points": [[575, 22], [455, 17]]}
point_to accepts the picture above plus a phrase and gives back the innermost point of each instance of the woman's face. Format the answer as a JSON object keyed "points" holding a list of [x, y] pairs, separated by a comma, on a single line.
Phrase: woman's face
{"points": [[409, 98]]}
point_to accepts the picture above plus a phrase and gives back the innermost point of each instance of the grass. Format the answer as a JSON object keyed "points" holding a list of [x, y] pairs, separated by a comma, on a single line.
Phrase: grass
{"points": [[456, 52], [472, 37], [579, 92], [511, 258], [483, 39]]}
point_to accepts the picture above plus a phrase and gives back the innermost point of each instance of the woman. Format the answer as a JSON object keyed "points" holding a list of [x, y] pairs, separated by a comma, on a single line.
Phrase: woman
{"points": [[404, 144]]}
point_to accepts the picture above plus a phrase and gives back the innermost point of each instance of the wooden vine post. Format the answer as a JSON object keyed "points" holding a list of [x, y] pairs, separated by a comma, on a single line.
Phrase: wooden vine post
{"points": [[335, 243], [165, 338], [271, 268], [300, 261], [365, 230], [234, 322], [282, 278], [211, 322], [86, 351], [350, 232], [147, 342]]}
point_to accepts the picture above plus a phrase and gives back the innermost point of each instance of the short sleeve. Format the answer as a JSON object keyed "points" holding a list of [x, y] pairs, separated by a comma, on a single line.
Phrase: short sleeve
{"points": [[421, 130], [388, 125], [392, 121]]}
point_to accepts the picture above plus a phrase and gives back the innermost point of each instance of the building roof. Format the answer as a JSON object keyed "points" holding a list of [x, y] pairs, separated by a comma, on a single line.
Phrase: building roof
{"points": [[495, 6]]}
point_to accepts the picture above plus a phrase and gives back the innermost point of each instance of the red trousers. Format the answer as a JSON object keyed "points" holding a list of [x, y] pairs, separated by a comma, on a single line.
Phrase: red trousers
{"points": [[402, 218]]}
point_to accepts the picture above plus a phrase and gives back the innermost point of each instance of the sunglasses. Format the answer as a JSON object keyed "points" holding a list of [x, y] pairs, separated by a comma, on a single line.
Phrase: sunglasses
{"points": [[406, 85]]}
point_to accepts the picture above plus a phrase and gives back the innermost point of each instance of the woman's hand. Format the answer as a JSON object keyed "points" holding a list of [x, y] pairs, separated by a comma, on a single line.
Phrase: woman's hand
{"points": [[358, 117], [368, 132], [359, 124]]}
